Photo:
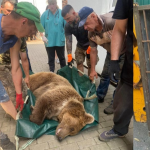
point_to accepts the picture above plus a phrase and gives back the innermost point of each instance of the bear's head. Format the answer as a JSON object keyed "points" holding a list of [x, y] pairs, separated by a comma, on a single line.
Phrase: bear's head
{"points": [[71, 125]]}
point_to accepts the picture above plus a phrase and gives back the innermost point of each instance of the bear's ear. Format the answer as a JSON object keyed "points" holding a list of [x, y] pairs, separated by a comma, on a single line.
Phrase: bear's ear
{"points": [[88, 118]]}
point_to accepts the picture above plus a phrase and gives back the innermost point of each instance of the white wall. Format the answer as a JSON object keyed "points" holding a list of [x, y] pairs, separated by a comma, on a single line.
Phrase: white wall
{"points": [[41, 4], [100, 7]]}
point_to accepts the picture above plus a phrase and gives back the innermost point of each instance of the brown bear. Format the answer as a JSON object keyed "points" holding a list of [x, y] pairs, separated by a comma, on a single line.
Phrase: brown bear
{"points": [[57, 99]]}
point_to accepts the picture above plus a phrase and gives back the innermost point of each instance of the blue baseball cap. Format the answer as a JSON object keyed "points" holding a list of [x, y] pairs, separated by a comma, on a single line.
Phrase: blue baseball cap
{"points": [[83, 14]]}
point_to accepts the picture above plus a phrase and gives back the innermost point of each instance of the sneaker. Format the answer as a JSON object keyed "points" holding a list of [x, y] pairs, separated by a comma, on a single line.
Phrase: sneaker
{"points": [[6, 144], [109, 110], [57, 61], [109, 135]]}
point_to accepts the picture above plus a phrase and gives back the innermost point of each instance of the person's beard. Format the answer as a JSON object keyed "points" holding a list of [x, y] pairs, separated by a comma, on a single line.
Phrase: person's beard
{"points": [[73, 23]]}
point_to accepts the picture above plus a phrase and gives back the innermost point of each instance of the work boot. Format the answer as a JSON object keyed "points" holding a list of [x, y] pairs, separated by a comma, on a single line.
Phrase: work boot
{"points": [[6, 144], [109, 110]]}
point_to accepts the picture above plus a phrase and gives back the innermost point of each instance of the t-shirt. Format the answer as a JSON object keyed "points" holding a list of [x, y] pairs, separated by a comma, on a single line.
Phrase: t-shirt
{"points": [[108, 25], [124, 10], [80, 34], [4, 46]]}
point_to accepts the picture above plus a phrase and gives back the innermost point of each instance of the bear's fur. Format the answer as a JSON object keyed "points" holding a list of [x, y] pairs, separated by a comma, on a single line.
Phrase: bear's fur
{"points": [[58, 100]]}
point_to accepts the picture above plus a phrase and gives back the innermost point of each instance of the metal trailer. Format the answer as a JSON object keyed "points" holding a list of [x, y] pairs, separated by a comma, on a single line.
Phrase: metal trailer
{"points": [[142, 2], [142, 26]]}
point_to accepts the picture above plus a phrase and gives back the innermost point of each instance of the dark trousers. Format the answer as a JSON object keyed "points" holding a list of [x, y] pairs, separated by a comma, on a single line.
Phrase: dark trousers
{"points": [[51, 56], [105, 80], [123, 107]]}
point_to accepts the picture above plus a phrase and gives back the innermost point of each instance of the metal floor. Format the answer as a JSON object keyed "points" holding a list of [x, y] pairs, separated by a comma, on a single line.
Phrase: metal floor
{"points": [[141, 139]]}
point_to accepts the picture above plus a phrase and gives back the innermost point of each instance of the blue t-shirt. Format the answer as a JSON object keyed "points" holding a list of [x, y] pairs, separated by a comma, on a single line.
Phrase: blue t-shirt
{"points": [[4, 46], [54, 28]]}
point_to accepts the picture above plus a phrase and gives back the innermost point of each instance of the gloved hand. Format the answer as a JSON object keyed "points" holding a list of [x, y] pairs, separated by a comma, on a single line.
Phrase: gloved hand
{"points": [[70, 60], [114, 70], [19, 101], [45, 40], [107, 36], [88, 52], [97, 40]]}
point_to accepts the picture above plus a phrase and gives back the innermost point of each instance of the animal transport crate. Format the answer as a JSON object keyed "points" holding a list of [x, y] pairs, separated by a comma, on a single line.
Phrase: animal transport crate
{"points": [[142, 26]]}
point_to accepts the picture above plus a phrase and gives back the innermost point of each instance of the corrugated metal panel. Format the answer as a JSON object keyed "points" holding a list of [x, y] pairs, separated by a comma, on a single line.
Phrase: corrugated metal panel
{"points": [[142, 2]]}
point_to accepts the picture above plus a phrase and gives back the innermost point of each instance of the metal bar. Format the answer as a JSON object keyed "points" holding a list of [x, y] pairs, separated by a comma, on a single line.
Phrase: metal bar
{"points": [[144, 7], [145, 22], [144, 41], [142, 63]]}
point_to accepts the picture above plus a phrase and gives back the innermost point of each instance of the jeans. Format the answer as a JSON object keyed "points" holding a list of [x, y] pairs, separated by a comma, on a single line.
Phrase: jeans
{"points": [[105, 80], [3, 95], [60, 50]]}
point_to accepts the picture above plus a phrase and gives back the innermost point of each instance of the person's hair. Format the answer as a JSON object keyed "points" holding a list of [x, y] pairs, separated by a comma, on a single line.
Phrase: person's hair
{"points": [[66, 9], [16, 16], [51, 1], [4, 1]]}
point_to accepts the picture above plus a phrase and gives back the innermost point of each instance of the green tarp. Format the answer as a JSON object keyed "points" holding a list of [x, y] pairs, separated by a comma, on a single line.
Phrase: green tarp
{"points": [[82, 84]]}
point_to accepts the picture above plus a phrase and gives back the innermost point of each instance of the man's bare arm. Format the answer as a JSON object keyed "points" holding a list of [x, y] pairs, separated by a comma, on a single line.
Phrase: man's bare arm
{"points": [[118, 36], [69, 44], [93, 58], [25, 65], [16, 70]]}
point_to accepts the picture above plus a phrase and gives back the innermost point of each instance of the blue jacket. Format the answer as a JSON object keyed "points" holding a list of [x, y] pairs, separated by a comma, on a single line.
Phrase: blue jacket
{"points": [[54, 28]]}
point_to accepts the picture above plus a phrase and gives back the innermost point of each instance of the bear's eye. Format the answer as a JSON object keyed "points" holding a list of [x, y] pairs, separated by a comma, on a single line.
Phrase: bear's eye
{"points": [[72, 129]]}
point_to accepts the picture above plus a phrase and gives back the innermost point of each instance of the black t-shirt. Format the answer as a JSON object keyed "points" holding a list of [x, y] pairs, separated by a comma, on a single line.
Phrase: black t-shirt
{"points": [[124, 10], [80, 34]]}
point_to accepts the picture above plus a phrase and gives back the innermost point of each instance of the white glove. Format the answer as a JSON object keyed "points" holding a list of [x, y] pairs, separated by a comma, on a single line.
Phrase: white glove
{"points": [[45, 40]]}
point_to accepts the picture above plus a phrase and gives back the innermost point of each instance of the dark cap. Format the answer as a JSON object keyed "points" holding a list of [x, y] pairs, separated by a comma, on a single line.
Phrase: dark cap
{"points": [[83, 14]]}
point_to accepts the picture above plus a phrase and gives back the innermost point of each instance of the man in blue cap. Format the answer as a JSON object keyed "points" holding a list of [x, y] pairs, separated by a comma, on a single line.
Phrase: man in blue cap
{"points": [[123, 99], [23, 21], [99, 33]]}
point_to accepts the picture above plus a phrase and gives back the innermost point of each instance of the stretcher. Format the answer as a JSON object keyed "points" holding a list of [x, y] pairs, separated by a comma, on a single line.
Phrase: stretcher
{"points": [[83, 86]]}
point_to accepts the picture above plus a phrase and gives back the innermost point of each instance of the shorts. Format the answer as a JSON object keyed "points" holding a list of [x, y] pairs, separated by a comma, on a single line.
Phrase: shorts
{"points": [[3, 95], [80, 55]]}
